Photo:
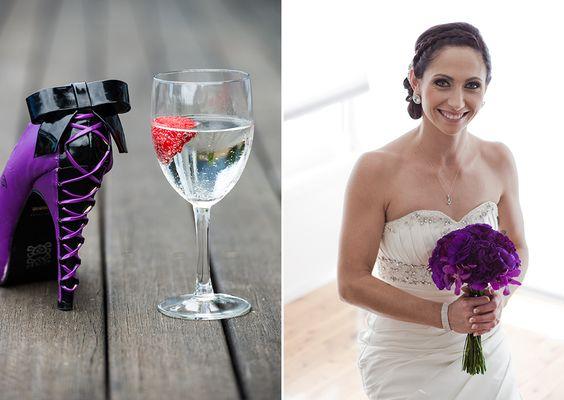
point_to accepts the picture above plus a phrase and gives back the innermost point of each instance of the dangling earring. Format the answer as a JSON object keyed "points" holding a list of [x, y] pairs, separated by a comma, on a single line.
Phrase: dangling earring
{"points": [[416, 98], [483, 103]]}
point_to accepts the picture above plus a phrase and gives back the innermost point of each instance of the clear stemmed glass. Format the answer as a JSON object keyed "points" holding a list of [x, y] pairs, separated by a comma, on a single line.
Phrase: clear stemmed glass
{"points": [[202, 128]]}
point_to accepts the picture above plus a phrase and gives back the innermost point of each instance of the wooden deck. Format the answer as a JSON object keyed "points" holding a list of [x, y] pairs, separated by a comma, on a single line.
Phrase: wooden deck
{"points": [[140, 239]]}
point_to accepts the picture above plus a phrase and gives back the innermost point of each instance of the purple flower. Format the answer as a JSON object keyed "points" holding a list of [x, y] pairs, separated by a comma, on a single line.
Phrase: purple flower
{"points": [[477, 256], [456, 274]]}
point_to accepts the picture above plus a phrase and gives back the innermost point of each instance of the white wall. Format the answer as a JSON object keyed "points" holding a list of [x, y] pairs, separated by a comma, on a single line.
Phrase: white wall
{"points": [[331, 46]]}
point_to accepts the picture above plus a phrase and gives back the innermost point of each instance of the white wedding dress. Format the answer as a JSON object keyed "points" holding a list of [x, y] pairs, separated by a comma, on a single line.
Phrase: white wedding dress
{"points": [[408, 361]]}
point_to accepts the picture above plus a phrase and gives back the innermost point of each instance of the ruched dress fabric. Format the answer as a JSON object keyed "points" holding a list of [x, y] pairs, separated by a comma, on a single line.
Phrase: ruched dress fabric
{"points": [[407, 361]]}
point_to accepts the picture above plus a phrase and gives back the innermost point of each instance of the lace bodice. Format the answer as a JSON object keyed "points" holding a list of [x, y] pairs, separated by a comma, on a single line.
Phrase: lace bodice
{"points": [[407, 243]]}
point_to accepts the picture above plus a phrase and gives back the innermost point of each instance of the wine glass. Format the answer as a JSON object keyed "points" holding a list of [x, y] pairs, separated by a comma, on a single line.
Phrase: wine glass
{"points": [[202, 129]]}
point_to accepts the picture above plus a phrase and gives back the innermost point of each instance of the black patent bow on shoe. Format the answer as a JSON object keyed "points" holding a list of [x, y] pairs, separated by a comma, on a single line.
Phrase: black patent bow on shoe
{"points": [[54, 108]]}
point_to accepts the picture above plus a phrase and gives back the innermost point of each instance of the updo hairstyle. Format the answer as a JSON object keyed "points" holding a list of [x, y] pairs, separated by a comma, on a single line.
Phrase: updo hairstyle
{"points": [[434, 39]]}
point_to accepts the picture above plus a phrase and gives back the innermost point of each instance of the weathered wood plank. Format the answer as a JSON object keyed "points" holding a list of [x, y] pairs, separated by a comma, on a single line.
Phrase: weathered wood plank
{"points": [[245, 228], [14, 49], [47, 353], [149, 246], [95, 17], [235, 40], [259, 50], [245, 243], [5, 10], [42, 22]]}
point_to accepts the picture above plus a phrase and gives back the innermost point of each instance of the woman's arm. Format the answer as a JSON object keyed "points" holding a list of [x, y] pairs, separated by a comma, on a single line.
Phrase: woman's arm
{"points": [[510, 215], [361, 232]]}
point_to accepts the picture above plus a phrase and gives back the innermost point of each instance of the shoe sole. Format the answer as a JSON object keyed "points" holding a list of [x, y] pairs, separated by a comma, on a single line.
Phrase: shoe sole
{"points": [[33, 256]]}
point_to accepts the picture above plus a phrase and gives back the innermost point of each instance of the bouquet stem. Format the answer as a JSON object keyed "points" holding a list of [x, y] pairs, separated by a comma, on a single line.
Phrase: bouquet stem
{"points": [[473, 360]]}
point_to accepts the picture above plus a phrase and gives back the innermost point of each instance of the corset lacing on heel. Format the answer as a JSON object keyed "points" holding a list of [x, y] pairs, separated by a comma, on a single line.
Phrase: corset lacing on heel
{"points": [[49, 183], [72, 222]]}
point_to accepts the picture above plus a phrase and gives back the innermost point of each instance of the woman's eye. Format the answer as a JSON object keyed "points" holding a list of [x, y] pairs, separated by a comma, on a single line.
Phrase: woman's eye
{"points": [[441, 82], [473, 85]]}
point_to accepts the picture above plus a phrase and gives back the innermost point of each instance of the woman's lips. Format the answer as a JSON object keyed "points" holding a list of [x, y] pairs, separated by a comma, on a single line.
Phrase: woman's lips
{"points": [[453, 117]]}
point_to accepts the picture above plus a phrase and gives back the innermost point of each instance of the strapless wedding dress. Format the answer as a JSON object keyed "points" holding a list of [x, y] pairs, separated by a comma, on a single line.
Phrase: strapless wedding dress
{"points": [[408, 361]]}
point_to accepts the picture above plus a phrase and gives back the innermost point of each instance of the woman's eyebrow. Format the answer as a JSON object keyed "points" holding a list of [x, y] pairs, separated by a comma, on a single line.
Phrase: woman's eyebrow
{"points": [[452, 79]]}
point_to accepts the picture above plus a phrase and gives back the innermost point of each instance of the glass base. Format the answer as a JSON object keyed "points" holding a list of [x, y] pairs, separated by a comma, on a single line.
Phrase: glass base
{"points": [[204, 307]]}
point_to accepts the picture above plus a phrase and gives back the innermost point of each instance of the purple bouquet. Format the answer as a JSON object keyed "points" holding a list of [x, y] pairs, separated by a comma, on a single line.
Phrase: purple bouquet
{"points": [[479, 257]]}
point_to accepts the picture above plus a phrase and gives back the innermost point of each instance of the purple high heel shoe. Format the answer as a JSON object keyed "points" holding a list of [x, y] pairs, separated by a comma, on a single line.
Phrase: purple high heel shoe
{"points": [[51, 178]]}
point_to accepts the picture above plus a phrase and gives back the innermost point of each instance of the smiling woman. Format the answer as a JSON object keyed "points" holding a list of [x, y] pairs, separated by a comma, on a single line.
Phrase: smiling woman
{"points": [[461, 42], [404, 196], [454, 98]]}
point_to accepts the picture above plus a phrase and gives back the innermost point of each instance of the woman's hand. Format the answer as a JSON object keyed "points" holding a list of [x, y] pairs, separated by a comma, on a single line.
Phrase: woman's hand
{"points": [[488, 315], [476, 315]]}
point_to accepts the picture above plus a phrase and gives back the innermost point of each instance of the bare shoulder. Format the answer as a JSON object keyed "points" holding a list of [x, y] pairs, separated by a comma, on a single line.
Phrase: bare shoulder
{"points": [[373, 171], [377, 162], [499, 157], [377, 166], [383, 162]]}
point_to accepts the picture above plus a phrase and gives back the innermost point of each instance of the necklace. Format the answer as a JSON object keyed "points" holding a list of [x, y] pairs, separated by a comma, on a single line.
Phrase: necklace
{"points": [[447, 194]]}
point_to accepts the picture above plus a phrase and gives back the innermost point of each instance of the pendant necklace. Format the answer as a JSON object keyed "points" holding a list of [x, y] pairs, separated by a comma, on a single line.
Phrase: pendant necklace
{"points": [[447, 194]]}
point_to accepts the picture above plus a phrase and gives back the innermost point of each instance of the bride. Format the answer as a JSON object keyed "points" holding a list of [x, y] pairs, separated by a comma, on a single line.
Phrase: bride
{"points": [[400, 200]]}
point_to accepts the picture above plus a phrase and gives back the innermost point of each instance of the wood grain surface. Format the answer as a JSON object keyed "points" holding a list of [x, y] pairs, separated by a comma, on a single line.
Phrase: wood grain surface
{"points": [[46, 353], [140, 239]]}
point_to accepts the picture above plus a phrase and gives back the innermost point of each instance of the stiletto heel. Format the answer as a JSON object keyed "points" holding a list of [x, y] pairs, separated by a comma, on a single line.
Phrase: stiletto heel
{"points": [[59, 166]]}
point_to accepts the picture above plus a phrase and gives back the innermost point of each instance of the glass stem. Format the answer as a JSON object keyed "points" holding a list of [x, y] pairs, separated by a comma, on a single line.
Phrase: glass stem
{"points": [[203, 280]]}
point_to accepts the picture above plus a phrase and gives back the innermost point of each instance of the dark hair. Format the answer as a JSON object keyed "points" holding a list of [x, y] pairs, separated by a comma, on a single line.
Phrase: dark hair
{"points": [[435, 38]]}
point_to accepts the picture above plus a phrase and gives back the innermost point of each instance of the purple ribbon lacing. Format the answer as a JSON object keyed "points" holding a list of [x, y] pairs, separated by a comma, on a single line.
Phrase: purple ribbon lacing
{"points": [[72, 198]]}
